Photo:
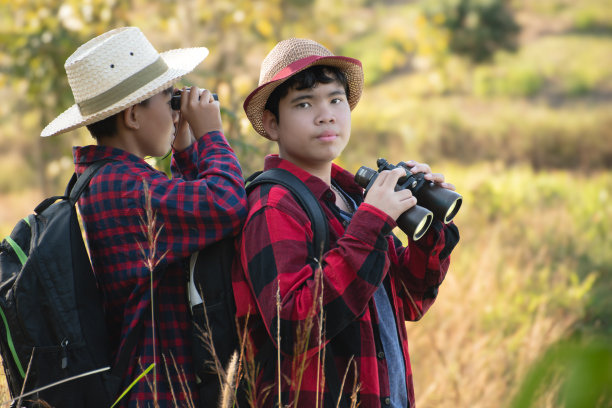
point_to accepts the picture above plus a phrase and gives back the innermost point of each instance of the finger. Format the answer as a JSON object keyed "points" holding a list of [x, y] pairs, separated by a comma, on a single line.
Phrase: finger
{"points": [[380, 179], [421, 168], [448, 186], [409, 202], [392, 177], [435, 177], [403, 195], [194, 94], [410, 163], [406, 203], [184, 98], [206, 97]]}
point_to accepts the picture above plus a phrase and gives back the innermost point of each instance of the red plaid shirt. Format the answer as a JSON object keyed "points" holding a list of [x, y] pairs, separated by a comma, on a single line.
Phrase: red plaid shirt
{"points": [[273, 250], [202, 203]]}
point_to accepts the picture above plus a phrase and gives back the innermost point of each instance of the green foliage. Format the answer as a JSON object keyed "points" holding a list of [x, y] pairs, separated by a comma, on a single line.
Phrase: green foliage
{"points": [[523, 81], [390, 47], [554, 251], [554, 68], [478, 28], [582, 371]]}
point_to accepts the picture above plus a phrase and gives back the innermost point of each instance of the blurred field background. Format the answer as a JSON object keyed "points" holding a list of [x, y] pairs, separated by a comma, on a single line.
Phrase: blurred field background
{"points": [[511, 100]]}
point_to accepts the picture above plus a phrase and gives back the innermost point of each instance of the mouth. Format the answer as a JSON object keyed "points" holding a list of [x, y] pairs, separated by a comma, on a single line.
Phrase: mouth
{"points": [[327, 136]]}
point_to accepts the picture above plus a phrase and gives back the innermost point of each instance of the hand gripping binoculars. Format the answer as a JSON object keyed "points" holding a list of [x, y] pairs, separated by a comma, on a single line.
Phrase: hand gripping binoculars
{"points": [[175, 100], [433, 200]]}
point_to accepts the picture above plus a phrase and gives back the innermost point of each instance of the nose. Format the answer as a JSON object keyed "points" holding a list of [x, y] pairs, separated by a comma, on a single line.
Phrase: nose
{"points": [[325, 115]]}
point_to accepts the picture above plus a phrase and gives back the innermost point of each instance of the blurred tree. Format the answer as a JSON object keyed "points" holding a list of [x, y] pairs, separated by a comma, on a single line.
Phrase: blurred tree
{"points": [[37, 37], [477, 28]]}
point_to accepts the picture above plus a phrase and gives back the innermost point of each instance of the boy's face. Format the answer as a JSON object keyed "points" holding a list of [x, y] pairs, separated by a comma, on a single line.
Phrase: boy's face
{"points": [[156, 126], [314, 125]]}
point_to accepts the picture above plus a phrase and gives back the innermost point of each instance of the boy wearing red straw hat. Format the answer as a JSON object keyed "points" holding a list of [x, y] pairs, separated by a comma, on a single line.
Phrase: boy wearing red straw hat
{"points": [[122, 88], [367, 283]]}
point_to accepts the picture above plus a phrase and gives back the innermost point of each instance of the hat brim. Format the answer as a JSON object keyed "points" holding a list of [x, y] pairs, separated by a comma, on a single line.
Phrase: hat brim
{"points": [[180, 62], [255, 103]]}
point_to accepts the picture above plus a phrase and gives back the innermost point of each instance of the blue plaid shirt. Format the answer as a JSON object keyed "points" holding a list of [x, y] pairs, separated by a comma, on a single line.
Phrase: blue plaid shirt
{"points": [[203, 202]]}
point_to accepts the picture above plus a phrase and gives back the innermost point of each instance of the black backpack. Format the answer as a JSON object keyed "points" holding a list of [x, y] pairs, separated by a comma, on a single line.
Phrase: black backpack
{"points": [[53, 326], [210, 270]]}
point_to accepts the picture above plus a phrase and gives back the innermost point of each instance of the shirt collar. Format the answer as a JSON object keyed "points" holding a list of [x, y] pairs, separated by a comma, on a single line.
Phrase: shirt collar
{"points": [[84, 155], [319, 188]]}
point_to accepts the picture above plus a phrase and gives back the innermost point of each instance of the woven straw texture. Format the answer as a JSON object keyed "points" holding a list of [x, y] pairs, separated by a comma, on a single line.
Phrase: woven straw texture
{"points": [[286, 59], [116, 70]]}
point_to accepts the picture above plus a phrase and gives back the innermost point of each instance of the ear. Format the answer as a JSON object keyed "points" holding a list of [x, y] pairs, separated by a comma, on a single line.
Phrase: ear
{"points": [[129, 117], [270, 124]]}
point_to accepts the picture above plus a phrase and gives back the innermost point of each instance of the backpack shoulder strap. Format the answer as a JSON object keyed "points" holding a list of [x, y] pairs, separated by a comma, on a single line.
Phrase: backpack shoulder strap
{"points": [[304, 197], [75, 188]]}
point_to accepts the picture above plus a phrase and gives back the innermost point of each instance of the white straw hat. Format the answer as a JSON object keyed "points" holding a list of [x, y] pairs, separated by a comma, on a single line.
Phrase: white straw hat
{"points": [[116, 70], [288, 58]]}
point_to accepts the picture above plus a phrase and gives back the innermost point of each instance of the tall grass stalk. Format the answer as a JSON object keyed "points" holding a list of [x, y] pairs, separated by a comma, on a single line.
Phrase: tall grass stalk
{"points": [[251, 369], [148, 226], [278, 342], [168, 376], [183, 381], [304, 336], [205, 334], [228, 389], [321, 352], [25, 380]]}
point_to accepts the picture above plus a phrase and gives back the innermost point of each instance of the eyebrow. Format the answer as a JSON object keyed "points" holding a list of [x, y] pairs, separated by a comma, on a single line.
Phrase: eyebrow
{"points": [[310, 96]]}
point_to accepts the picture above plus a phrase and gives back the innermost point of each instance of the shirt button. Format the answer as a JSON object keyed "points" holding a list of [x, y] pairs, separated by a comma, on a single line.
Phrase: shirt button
{"points": [[387, 401], [381, 355]]}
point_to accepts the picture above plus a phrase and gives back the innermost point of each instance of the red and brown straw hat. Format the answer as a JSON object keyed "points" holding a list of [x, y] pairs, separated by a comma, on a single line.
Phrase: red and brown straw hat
{"points": [[286, 59]]}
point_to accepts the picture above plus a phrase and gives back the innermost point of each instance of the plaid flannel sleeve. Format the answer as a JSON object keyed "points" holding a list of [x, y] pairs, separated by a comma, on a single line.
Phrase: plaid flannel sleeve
{"points": [[204, 203], [421, 267]]}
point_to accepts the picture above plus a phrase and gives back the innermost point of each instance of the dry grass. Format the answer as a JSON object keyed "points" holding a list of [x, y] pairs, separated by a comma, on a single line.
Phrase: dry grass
{"points": [[462, 356]]}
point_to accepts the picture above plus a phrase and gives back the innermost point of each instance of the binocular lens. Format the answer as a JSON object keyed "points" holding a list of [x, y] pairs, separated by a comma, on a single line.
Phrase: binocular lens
{"points": [[423, 226], [452, 210], [442, 202]]}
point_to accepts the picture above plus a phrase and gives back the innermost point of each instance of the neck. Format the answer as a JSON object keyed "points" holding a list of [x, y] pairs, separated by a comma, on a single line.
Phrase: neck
{"points": [[119, 141], [322, 171]]}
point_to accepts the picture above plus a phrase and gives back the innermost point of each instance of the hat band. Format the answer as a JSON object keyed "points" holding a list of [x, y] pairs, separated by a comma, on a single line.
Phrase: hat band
{"points": [[123, 88], [296, 66]]}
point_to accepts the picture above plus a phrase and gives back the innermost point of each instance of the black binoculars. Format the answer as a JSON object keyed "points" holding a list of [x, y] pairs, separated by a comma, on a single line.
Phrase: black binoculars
{"points": [[434, 201], [175, 100]]}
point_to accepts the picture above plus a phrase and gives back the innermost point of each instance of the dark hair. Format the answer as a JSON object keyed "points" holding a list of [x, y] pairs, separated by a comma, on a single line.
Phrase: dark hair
{"points": [[318, 74], [108, 126]]}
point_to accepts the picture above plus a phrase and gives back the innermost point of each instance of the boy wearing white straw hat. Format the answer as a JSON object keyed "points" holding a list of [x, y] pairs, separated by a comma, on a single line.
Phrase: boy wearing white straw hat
{"points": [[370, 283], [122, 88]]}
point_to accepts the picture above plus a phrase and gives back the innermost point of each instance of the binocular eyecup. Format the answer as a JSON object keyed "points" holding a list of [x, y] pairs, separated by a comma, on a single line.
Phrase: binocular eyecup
{"points": [[433, 200]]}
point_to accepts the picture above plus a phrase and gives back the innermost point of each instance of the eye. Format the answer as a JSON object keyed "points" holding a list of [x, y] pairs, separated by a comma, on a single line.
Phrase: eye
{"points": [[303, 105]]}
